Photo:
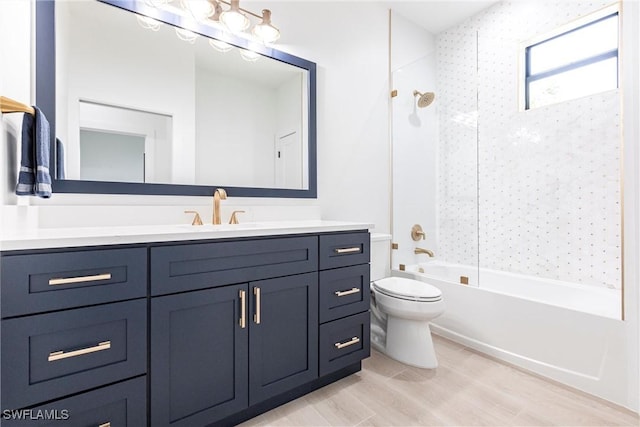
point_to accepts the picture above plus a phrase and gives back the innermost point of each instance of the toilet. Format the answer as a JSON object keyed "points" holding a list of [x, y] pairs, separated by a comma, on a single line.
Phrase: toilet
{"points": [[401, 310]]}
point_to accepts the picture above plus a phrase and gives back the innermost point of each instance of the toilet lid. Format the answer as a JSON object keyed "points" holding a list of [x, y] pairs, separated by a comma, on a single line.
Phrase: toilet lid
{"points": [[410, 289]]}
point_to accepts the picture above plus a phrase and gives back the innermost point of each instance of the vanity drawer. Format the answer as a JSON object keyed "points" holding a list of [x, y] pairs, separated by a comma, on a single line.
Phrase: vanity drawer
{"points": [[343, 292], [118, 405], [198, 266], [52, 355], [344, 342], [46, 282], [342, 250]]}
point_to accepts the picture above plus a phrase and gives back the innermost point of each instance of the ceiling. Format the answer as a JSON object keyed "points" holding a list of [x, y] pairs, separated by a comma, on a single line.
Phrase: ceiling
{"points": [[432, 15], [436, 16]]}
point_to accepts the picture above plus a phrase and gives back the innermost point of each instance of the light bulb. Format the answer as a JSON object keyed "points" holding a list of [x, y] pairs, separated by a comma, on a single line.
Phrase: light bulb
{"points": [[148, 23], [264, 31], [249, 55], [186, 35], [220, 46], [199, 9], [234, 19], [156, 3]]}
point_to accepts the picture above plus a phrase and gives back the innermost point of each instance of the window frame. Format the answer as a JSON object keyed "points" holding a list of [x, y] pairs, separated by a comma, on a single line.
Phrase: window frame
{"points": [[577, 25]]}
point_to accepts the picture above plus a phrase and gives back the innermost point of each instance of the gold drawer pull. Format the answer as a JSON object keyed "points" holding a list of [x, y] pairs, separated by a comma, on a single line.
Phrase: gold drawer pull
{"points": [[105, 425], [58, 355], [82, 279], [354, 340], [347, 250], [349, 292], [243, 309]]}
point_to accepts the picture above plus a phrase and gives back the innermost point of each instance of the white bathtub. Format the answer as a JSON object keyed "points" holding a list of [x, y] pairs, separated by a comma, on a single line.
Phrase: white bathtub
{"points": [[588, 299], [567, 332]]}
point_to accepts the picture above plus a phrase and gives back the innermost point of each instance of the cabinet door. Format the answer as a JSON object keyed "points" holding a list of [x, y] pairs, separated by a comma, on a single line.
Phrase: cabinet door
{"points": [[198, 357], [283, 335]]}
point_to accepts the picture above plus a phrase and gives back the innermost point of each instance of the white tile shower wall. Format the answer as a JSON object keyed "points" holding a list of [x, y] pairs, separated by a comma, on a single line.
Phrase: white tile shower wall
{"points": [[457, 163], [548, 181]]}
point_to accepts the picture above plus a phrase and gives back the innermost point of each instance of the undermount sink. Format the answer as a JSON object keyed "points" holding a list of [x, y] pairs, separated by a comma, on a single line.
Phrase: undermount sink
{"points": [[220, 227]]}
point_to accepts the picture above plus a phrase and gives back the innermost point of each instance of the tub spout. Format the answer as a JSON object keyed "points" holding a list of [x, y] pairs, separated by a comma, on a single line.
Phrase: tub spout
{"points": [[423, 251]]}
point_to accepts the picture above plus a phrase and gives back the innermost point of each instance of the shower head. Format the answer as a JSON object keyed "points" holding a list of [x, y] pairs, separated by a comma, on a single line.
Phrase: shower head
{"points": [[425, 98]]}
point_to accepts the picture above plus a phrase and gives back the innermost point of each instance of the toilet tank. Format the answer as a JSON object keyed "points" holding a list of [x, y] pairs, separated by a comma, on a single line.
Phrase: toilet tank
{"points": [[380, 256]]}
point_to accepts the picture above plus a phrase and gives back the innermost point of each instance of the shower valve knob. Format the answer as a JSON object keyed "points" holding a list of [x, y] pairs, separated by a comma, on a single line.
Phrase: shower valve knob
{"points": [[417, 233]]}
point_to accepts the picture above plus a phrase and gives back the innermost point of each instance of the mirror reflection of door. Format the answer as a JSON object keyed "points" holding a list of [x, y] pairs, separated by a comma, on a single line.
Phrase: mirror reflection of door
{"points": [[108, 134], [288, 160], [106, 156]]}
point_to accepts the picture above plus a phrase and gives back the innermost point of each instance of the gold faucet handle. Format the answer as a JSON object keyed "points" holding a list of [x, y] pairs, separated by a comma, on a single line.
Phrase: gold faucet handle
{"points": [[234, 217], [196, 219]]}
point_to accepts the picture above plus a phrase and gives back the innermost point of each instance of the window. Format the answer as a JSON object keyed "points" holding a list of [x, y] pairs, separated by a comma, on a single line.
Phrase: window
{"points": [[576, 63]]}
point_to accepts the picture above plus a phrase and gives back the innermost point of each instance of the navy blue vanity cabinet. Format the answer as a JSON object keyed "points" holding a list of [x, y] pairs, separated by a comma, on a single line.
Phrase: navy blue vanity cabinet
{"points": [[180, 268], [74, 334], [283, 335], [121, 404], [181, 334], [344, 333], [199, 356], [216, 352]]}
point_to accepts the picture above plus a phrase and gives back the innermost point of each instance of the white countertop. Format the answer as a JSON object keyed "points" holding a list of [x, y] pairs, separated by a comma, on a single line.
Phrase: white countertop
{"points": [[43, 238]]}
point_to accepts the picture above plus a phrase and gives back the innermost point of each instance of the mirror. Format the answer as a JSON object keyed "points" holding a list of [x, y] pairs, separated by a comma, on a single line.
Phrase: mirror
{"points": [[140, 111]]}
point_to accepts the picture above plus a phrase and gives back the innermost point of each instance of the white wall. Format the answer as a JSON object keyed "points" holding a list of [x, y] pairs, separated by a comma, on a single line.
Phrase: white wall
{"points": [[353, 160], [352, 58], [15, 83]]}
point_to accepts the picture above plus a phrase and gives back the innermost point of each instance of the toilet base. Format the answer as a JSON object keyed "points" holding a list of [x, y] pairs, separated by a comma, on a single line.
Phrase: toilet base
{"points": [[410, 342]]}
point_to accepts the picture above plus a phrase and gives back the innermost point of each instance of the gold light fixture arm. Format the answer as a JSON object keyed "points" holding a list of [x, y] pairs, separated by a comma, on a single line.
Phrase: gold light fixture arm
{"points": [[228, 3]]}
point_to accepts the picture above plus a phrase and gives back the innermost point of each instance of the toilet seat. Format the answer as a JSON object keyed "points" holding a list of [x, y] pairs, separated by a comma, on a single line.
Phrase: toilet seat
{"points": [[407, 289]]}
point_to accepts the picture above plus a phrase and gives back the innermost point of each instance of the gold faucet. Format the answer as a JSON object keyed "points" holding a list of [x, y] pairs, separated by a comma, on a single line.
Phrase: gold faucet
{"points": [[196, 219], [423, 251], [218, 195], [234, 217]]}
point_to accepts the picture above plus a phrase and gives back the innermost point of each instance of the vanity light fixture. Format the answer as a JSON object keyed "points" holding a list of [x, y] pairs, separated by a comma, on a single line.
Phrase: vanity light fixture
{"points": [[220, 46], [156, 3], [249, 55], [186, 35], [199, 9], [148, 23], [234, 19], [264, 30]]}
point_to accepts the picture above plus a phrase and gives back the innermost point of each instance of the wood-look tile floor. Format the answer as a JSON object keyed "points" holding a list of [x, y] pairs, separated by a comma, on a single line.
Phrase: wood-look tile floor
{"points": [[467, 389]]}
